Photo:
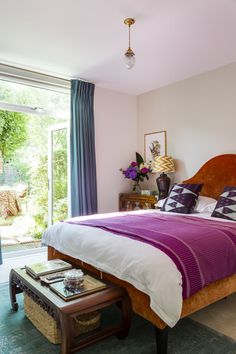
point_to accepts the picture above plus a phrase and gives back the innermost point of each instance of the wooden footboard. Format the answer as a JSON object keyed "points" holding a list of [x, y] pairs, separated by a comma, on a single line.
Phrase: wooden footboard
{"points": [[141, 302]]}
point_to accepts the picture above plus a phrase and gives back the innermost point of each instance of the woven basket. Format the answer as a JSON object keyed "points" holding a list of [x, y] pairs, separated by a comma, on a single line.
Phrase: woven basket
{"points": [[49, 327]]}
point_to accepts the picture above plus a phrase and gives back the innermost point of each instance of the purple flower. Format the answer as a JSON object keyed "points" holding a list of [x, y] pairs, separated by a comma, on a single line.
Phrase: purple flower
{"points": [[131, 173], [137, 170], [144, 170]]}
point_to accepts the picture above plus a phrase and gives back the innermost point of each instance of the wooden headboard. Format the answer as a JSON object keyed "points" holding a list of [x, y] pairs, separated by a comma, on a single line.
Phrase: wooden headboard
{"points": [[216, 173]]}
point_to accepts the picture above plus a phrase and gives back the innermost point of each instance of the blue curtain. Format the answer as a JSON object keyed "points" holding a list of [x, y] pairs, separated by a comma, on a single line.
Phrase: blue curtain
{"points": [[82, 140]]}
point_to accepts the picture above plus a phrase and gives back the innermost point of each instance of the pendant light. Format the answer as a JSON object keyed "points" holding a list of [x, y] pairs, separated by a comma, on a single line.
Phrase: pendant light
{"points": [[129, 56]]}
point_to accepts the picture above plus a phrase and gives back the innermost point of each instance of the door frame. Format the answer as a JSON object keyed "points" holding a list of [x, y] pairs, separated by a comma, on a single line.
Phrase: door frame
{"points": [[51, 130]]}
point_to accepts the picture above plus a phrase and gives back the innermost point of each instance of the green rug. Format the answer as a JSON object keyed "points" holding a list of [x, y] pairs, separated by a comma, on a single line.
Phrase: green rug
{"points": [[19, 336]]}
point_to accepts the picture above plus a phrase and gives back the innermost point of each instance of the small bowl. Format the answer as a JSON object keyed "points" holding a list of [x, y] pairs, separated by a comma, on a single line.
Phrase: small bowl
{"points": [[74, 279]]}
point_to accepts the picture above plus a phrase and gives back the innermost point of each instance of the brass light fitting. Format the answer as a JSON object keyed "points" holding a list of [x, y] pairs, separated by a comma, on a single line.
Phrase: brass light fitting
{"points": [[129, 54]]}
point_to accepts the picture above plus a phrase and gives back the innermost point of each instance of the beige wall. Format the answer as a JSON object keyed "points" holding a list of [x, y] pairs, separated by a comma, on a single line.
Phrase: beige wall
{"points": [[116, 142], [199, 115]]}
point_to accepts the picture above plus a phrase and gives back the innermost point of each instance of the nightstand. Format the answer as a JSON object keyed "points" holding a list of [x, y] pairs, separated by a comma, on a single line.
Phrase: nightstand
{"points": [[130, 201]]}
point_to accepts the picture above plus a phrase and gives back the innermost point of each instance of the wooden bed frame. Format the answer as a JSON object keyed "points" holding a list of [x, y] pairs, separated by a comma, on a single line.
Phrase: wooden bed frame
{"points": [[217, 173]]}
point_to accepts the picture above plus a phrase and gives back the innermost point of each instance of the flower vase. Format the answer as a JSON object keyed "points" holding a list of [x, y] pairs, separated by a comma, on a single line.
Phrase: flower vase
{"points": [[136, 187]]}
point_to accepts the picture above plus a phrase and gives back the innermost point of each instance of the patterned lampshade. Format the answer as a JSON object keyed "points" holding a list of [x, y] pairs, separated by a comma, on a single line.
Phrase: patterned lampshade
{"points": [[163, 164]]}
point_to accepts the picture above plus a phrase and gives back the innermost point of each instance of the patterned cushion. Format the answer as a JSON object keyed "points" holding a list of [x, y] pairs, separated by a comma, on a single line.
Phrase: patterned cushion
{"points": [[182, 198], [226, 205]]}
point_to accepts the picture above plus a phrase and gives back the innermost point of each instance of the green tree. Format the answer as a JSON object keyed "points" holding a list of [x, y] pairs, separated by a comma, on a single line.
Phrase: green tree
{"points": [[30, 158], [13, 132]]}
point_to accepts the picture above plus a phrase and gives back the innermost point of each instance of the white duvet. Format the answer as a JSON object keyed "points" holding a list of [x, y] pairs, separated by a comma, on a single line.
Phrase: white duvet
{"points": [[142, 265]]}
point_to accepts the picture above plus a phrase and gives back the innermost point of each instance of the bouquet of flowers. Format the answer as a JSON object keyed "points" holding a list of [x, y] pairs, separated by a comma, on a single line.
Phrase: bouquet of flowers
{"points": [[137, 170]]}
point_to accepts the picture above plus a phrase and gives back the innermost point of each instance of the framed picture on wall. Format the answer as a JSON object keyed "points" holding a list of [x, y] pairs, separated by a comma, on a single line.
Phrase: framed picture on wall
{"points": [[154, 145]]}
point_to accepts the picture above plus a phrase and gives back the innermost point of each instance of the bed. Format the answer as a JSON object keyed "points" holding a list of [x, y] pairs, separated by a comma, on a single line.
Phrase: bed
{"points": [[215, 174]]}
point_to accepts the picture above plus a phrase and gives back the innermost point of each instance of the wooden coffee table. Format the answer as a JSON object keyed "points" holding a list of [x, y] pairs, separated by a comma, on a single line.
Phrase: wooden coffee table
{"points": [[64, 312]]}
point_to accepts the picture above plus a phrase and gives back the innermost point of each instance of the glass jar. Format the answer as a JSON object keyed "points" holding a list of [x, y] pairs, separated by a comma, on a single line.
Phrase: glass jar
{"points": [[136, 187], [74, 279]]}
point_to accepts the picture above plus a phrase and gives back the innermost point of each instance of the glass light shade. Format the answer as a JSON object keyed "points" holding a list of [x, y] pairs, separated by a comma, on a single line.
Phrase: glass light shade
{"points": [[129, 59]]}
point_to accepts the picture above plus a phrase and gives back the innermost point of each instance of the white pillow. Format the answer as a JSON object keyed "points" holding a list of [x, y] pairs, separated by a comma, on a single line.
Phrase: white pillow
{"points": [[160, 203], [205, 205]]}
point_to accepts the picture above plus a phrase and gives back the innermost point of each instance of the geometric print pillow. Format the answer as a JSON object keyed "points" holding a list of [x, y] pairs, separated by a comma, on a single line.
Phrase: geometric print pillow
{"points": [[226, 205], [182, 198]]}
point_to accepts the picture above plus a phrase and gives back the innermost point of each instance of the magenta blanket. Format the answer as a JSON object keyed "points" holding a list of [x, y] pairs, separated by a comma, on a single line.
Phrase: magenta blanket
{"points": [[203, 250]]}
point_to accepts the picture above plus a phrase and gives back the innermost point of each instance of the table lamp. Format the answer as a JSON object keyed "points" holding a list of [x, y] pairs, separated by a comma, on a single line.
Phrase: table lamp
{"points": [[164, 164]]}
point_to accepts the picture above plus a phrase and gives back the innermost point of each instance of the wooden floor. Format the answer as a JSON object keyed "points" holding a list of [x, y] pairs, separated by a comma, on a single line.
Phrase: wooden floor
{"points": [[20, 259], [220, 316]]}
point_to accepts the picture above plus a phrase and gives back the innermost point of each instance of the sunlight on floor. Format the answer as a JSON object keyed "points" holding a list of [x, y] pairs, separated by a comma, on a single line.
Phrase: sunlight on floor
{"points": [[20, 259], [220, 316]]}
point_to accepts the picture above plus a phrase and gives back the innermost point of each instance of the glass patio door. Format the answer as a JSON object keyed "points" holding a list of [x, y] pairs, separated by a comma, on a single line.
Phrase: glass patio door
{"points": [[58, 173]]}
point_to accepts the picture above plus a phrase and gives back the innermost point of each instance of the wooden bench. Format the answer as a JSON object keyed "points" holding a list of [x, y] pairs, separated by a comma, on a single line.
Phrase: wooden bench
{"points": [[66, 311]]}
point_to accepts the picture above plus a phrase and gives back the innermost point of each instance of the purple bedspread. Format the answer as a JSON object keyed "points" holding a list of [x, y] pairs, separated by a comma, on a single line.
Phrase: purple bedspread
{"points": [[203, 250]]}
